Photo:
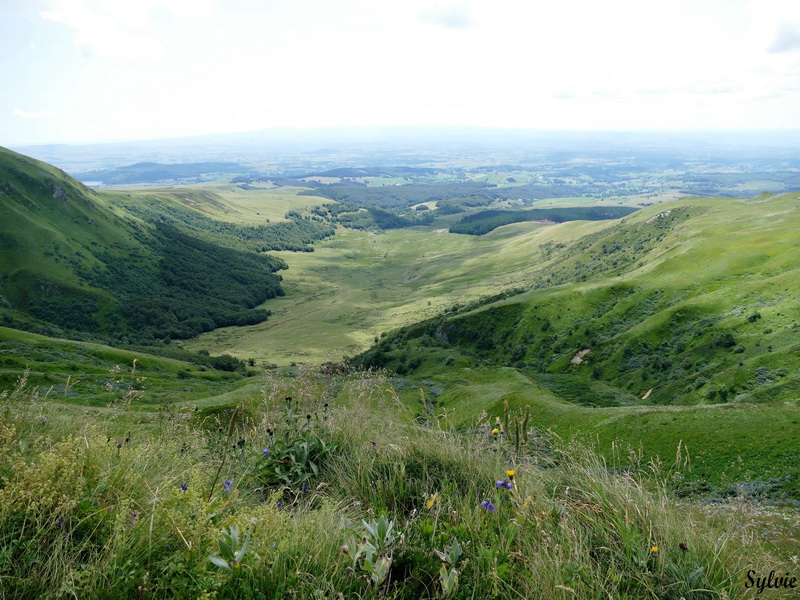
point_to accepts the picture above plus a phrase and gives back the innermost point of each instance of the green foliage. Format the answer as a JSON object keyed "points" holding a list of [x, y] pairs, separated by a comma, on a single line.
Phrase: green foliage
{"points": [[297, 234], [102, 519], [398, 197], [81, 265], [194, 287], [373, 554], [448, 576], [488, 220], [297, 450], [231, 553]]}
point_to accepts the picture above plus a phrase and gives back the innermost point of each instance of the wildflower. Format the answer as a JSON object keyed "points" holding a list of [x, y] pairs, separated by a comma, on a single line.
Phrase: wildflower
{"points": [[227, 485], [432, 500], [495, 431], [511, 473], [279, 505], [265, 451], [505, 484], [654, 549], [119, 443], [184, 487], [305, 488], [252, 432], [374, 443], [488, 505]]}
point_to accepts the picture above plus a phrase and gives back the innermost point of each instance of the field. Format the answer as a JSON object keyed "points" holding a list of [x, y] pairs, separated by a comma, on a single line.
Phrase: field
{"points": [[358, 285]]}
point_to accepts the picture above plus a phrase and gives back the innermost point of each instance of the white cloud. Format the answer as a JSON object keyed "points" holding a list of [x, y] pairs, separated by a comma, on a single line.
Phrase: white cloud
{"points": [[787, 38], [454, 16], [121, 29], [42, 114], [775, 25]]}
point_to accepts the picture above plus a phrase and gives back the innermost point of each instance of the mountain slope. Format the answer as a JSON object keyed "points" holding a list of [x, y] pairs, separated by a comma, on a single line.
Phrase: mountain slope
{"points": [[693, 301], [73, 260]]}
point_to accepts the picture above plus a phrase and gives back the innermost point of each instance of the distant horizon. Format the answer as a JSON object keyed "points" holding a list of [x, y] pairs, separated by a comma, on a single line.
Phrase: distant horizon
{"points": [[783, 134]]}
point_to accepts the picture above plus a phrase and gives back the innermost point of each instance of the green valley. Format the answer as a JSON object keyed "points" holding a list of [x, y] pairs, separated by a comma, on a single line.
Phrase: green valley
{"points": [[424, 381]]}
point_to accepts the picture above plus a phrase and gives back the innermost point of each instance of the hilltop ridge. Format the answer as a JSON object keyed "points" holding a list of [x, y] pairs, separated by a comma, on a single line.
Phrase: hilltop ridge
{"points": [[75, 262]]}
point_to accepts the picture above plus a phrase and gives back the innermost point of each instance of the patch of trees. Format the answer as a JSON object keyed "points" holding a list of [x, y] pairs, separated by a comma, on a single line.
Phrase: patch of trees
{"points": [[375, 172], [399, 196], [452, 206], [485, 221], [296, 235], [191, 287]]}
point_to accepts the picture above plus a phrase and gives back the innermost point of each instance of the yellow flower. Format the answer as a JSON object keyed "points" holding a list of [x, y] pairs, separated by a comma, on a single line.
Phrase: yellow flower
{"points": [[432, 500], [654, 549], [511, 473], [495, 431]]}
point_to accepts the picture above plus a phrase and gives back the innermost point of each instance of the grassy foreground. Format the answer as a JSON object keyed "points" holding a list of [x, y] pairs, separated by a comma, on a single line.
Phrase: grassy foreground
{"points": [[326, 486]]}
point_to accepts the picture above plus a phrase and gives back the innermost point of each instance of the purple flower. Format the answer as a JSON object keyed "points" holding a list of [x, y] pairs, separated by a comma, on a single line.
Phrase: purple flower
{"points": [[265, 451], [500, 484], [374, 443], [184, 487], [279, 504], [487, 505], [227, 486], [305, 488], [505, 484], [119, 443]]}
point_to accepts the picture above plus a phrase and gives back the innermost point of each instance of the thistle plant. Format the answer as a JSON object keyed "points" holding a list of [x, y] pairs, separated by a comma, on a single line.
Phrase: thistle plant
{"points": [[448, 576], [377, 541], [230, 552], [298, 450]]}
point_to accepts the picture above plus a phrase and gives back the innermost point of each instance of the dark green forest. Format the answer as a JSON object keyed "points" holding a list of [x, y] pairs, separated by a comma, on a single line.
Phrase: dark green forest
{"points": [[485, 221], [178, 288]]}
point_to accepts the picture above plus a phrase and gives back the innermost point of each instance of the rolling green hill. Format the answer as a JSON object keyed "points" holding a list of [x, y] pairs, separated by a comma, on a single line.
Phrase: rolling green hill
{"points": [[74, 262], [693, 302]]}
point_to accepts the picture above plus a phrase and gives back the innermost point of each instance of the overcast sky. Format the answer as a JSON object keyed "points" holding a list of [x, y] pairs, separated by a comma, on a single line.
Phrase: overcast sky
{"points": [[114, 70]]}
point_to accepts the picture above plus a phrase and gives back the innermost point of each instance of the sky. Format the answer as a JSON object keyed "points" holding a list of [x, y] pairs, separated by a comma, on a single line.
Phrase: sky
{"points": [[81, 71]]}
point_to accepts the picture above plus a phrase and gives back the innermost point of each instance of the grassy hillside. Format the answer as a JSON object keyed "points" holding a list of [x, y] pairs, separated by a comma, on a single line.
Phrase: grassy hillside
{"points": [[355, 499], [69, 376], [689, 303], [75, 261]]}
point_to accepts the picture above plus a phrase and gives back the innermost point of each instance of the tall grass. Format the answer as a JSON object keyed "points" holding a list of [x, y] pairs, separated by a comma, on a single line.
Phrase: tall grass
{"points": [[88, 513]]}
